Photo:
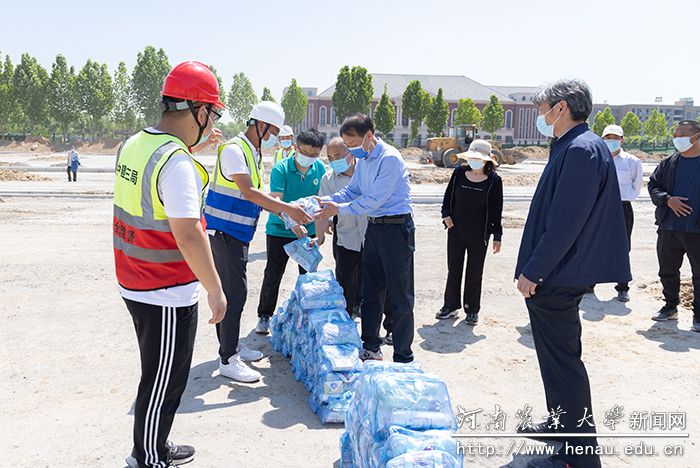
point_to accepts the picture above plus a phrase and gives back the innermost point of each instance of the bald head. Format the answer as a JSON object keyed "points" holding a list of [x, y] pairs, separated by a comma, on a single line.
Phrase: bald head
{"points": [[336, 149]]}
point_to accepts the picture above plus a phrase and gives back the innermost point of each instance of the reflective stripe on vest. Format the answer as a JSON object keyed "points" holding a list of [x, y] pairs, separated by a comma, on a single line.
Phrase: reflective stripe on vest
{"points": [[145, 252], [279, 157], [226, 208]]}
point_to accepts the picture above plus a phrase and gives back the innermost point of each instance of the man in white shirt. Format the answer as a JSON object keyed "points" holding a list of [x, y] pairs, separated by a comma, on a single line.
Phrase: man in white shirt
{"points": [[630, 177], [162, 258], [232, 209]]}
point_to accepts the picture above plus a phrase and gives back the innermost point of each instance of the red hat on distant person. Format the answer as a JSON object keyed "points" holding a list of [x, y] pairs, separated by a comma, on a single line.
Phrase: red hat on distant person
{"points": [[193, 81]]}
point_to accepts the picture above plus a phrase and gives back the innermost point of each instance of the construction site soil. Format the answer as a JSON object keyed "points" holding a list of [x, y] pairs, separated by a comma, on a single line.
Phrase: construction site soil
{"points": [[70, 365]]}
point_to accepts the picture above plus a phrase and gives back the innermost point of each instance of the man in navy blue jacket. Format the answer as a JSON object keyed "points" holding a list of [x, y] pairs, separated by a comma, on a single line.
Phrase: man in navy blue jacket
{"points": [[574, 236]]}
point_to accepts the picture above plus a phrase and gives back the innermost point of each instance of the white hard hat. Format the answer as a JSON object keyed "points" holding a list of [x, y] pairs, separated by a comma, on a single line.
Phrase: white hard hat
{"points": [[268, 112], [286, 131]]}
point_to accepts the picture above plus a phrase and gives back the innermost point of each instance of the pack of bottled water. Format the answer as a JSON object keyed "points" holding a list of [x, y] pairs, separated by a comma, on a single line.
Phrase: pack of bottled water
{"points": [[314, 330], [309, 204], [399, 417], [305, 252]]}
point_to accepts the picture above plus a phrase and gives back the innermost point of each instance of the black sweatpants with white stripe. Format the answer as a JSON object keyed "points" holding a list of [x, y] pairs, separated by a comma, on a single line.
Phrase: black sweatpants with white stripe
{"points": [[166, 341]]}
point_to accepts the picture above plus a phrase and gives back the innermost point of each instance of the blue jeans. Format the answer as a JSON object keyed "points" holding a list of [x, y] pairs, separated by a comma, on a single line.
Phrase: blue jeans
{"points": [[388, 266]]}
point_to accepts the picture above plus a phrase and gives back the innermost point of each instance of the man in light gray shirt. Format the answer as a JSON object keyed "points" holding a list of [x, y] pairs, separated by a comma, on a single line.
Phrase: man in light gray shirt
{"points": [[348, 232]]}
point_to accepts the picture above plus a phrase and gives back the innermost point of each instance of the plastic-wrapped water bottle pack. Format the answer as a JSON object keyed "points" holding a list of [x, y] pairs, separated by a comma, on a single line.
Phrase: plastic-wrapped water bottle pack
{"points": [[313, 328], [305, 252], [399, 418], [309, 204]]}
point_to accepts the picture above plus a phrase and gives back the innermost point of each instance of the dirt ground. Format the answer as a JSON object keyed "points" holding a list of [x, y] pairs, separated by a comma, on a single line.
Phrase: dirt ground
{"points": [[69, 360]]}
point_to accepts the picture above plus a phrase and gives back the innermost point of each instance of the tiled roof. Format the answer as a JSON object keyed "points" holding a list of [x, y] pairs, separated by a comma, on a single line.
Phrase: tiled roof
{"points": [[453, 87]]}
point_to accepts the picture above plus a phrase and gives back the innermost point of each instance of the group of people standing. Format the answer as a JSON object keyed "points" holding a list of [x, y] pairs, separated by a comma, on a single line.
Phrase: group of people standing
{"points": [[172, 237]]}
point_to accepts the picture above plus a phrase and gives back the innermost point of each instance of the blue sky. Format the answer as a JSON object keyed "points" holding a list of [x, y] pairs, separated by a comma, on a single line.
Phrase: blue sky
{"points": [[625, 49]]}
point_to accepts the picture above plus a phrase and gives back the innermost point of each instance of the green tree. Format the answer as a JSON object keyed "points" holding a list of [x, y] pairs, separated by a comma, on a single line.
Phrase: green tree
{"points": [[294, 104], [122, 112], [30, 82], [602, 120], [94, 90], [467, 113], [241, 98], [655, 126], [353, 92], [222, 91], [62, 102], [631, 126], [414, 106], [385, 114], [438, 113], [7, 95], [492, 117], [267, 95], [147, 80]]}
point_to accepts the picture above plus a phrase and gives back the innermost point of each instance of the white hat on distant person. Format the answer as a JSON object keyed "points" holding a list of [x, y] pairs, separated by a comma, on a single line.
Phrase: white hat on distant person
{"points": [[479, 149], [286, 130], [613, 130]]}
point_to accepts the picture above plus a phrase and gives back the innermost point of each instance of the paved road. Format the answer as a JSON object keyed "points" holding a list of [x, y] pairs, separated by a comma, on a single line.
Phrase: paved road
{"points": [[96, 177]]}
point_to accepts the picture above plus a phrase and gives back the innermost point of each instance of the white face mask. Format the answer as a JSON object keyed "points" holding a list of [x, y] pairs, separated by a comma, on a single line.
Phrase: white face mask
{"points": [[683, 144]]}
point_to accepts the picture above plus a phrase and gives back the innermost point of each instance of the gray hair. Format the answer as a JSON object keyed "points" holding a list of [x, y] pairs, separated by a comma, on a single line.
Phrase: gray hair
{"points": [[337, 141], [575, 92]]}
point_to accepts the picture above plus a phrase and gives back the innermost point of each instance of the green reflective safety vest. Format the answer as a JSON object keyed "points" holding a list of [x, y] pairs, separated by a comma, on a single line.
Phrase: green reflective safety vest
{"points": [[145, 252]]}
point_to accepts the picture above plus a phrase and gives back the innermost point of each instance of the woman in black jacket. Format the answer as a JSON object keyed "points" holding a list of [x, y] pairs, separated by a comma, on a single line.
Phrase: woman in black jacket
{"points": [[471, 211]]}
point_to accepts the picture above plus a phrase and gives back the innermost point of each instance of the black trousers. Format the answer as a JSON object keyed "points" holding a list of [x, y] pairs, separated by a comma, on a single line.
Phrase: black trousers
{"points": [[75, 174], [231, 261], [388, 266], [461, 240], [166, 341], [629, 224], [274, 271], [349, 272], [556, 330], [670, 248]]}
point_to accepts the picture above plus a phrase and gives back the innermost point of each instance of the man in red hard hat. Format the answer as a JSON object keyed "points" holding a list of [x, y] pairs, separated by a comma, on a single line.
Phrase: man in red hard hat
{"points": [[162, 256]]}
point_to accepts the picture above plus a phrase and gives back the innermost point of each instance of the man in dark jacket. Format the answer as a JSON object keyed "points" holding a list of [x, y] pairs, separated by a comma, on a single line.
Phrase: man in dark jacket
{"points": [[675, 190], [574, 236]]}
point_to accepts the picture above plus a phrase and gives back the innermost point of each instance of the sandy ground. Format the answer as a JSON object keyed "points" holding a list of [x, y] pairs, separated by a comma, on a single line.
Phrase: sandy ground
{"points": [[69, 361]]}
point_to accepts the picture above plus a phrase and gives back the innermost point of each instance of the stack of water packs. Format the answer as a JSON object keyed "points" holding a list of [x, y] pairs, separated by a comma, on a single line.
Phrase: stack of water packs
{"points": [[399, 418], [314, 329]]}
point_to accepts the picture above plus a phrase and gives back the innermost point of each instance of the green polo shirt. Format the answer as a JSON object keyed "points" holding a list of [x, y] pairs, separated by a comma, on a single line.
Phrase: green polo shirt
{"points": [[285, 178]]}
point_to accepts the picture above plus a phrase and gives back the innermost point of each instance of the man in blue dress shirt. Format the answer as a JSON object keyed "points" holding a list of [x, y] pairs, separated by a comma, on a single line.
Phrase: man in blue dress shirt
{"points": [[380, 188]]}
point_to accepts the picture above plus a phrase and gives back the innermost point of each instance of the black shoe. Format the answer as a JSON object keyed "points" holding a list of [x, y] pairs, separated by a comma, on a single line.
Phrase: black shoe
{"points": [[180, 454], [389, 339], [591, 289], [552, 462], [263, 326], [533, 431], [472, 318], [445, 312], [666, 313], [623, 296]]}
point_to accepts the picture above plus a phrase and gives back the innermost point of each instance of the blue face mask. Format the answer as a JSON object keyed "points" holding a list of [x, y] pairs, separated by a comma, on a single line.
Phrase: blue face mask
{"points": [[269, 143], [340, 165], [475, 164], [358, 151], [613, 145], [304, 161], [286, 143], [546, 130]]}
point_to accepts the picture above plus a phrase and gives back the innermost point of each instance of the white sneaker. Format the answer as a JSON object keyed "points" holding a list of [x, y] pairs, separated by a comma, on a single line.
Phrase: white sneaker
{"points": [[236, 369], [248, 354]]}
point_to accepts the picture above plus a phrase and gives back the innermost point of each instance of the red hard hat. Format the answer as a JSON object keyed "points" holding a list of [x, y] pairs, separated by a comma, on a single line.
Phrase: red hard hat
{"points": [[193, 81]]}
